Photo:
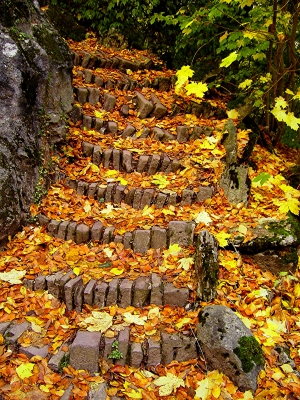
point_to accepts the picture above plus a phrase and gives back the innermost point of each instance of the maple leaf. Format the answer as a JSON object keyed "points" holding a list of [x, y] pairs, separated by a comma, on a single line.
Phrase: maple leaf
{"points": [[160, 180], [25, 370], [222, 238], [183, 76], [196, 88], [227, 61], [100, 321], [168, 384], [291, 204], [234, 114], [87, 207], [261, 178], [134, 319], [108, 210], [280, 102], [279, 114], [13, 276], [204, 217], [245, 83], [173, 250], [292, 121], [185, 263]]}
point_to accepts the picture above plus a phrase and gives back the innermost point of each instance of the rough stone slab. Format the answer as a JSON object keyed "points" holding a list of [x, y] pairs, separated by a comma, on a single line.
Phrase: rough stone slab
{"points": [[137, 198], [61, 283], [158, 237], [67, 393], [136, 355], [128, 131], [69, 290], [32, 351], [81, 188], [106, 158], [123, 340], [109, 102], [127, 240], [85, 59], [108, 235], [141, 291], [92, 190], [93, 61], [112, 127], [40, 283], [118, 239], [160, 200], [188, 351], [98, 124], [94, 95], [129, 196], [109, 192], [127, 160], [108, 348], [187, 197], [55, 360], [170, 343], [15, 331], [181, 232], [205, 192], [154, 164], [42, 220], [165, 163], [4, 327], [53, 227], [53, 283], [98, 393], [28, 283], [82, 234], [96, 231], [156, 295], [183, 133], [71, 231], [119, 194], [141, 240], [125, 293], [82, 95], [173, 166], [100, 293], [88, 293], [76, 60], [144, 106], [87, 121], [62, 230], [159, 110], [142, 163], [87, 148], [112, 295], [84, 351], [78, 297], [154, 353], [158, 134], [175, 296], [116, 159], [124, 111], [147, 198], [88, 75], [101, 193], [72, 183], [98, 81], [97, 155]]}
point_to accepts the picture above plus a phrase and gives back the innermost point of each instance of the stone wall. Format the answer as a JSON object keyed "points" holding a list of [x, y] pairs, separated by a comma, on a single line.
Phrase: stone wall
{"points": [[35, 95]]}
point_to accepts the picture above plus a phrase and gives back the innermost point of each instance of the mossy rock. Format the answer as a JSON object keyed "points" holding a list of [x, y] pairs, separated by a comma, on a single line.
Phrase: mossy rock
{"points": [[249, 352]]}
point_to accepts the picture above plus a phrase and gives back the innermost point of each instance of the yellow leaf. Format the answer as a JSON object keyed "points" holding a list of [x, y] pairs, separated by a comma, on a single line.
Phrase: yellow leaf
{"points": [[168, 384], [196, 88], [233, 114], [160, 180], [122, 181], [87, 207], [25, 370], [204, 389], [131, 392], [117, 271], [247, 395], [13, 276], [95, 168], [216, 391], [111, 172], [203, 217], [108, 252], [277, 376], [168, 212], [243, 229], [76, 271], [186, 263], [98, 322], [44, 388], [174, 249], [286, 368], [297, 290], [183, 322], [99, 114], [223, 36], [134, 319], [222, 238], [23, 290]]}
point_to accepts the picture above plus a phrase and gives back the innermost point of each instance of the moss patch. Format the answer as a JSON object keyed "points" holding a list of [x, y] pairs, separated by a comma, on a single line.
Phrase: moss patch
{"points": [[249, 352]]}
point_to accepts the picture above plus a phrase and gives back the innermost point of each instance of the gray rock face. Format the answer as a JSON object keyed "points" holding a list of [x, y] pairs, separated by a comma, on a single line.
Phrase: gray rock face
{"points": [[229, 346], [35, 95]]}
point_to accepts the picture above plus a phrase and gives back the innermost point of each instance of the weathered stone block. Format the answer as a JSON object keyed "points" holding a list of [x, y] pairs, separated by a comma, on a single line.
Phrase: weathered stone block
{"points": [[82, 95], [188, 351], [160, 200], [156, 294], [175, 296], [127, 240], [78, 297], [128, 131], [183, 133], [169, 346], [181, 232], [147, 198], [98, 124], [142, 163], [94, 95], [4, 327], [97, 155], [113, 291], [92, 190], [85, 59], [70, 287], [53, 227], [88, 75], [141, 240], [127, 160], [53, 283], [84, 351], [96, 231], [159, 110], [87, 121], [119, 194], [141, 291], [125, 293], [55, 360], [112, 127], [40, 283], [136, 355], [110, 192], [205, 192], [109, 102], [82, 234], [187, 197], [137, 198], [100, 294], [129, 196], [158, 237], [82, 188], [165, 163], [71, 231], [107, 154], [116, 159], [144, 106], [98, 392], [15, 331], [32, 351], [154, 164], [99, 81], [88, 293], [108, 235], [123, 340], [87, 148], [154, 353]]}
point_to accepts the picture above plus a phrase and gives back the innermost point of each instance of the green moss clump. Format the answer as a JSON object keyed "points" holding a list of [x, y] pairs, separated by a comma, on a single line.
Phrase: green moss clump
{"points": [[249, 352]]}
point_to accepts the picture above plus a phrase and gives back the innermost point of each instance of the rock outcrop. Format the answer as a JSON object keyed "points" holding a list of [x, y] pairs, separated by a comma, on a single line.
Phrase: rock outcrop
{"points": [[36, 94]]}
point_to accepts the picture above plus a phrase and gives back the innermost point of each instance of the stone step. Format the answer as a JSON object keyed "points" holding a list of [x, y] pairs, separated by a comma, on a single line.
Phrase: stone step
{"points": [[181, 133], [147, 108], [111, 79], [137, 197], [123, 292], [139, 240]]}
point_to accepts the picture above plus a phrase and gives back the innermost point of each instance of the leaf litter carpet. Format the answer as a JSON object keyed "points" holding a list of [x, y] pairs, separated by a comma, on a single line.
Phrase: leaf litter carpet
{"points": [[268, 304]]}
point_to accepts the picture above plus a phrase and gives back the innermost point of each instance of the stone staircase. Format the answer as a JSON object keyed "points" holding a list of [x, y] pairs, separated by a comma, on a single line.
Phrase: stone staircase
{"points": [[124, 134]]}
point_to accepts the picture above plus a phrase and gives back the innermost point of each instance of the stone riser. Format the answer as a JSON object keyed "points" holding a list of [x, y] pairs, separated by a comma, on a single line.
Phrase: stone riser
{"points": [[140, 240], [126, 161], [136, 198], [101, 60], [120, 291], [183, 134], [125, 83]]}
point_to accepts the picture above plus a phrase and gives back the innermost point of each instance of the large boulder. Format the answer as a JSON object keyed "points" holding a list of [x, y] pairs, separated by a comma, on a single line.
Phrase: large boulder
{"points": [[229, 346], [35, 96]]}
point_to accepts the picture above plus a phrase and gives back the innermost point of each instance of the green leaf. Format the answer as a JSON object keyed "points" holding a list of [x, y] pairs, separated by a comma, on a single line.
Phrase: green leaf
{"points": [[226, 62], [262, 178]]}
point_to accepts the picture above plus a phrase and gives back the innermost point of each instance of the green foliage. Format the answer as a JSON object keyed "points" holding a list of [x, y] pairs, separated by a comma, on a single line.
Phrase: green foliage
{"points": [[262, 178], [115, 354]]}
